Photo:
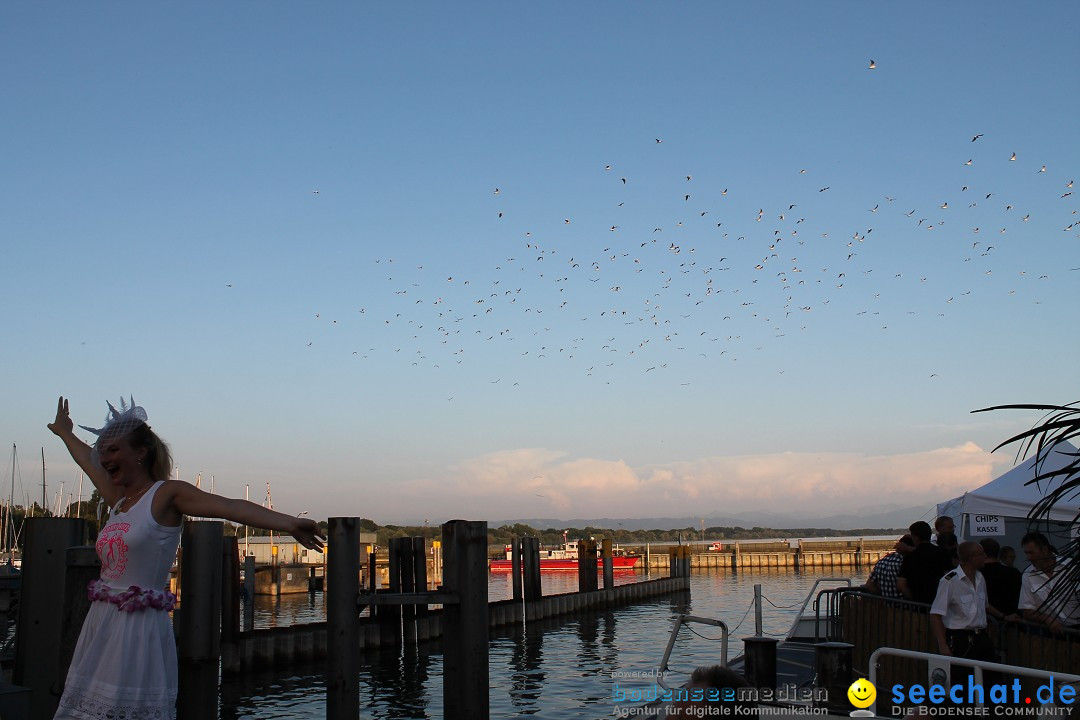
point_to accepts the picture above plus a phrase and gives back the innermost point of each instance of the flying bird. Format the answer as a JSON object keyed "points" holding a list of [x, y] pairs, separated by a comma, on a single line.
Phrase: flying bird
{"points": [[873, 65]]}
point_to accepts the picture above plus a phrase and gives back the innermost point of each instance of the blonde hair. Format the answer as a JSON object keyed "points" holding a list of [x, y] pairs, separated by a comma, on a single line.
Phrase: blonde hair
{"points": [[158, 459]]}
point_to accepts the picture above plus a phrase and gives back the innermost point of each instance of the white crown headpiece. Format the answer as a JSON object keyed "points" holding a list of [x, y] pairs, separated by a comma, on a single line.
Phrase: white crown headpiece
{"points": [[119, 422]]}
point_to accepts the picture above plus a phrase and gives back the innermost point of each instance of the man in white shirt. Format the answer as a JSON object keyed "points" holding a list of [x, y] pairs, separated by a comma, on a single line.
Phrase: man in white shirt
{"points": [[1046, 572], [958, 615]]}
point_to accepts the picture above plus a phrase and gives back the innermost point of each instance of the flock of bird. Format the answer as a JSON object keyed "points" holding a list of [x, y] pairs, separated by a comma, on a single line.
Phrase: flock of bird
{"points": [[719, 278]]}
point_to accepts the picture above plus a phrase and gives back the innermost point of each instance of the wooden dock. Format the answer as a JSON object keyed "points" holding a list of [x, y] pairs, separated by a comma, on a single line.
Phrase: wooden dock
{"points": [[257, 650]]}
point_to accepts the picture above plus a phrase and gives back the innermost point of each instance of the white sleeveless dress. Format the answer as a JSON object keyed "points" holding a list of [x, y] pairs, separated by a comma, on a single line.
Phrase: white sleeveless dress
{"points": [[124, 664]]}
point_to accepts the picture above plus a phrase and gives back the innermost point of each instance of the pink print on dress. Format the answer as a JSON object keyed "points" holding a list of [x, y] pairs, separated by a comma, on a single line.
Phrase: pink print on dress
{"points": [[112, 550]]}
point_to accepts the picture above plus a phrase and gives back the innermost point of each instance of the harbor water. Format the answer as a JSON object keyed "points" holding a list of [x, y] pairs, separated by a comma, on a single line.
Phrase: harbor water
{"points": [[558, 668]]}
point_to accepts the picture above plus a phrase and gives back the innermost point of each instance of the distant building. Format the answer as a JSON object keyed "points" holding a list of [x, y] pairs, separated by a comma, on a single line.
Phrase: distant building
{"points": [[289, 551]]}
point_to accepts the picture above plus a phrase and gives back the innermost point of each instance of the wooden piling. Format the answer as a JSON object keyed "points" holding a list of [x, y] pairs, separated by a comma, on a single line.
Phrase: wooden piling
{"points": [[230, 602], [530, 561], [41, 606], [465, 629], [249, 593], [409, 584], [515, 567], [342, 620], [199, 638], [83, 566], [420, 578], [609, 568]]}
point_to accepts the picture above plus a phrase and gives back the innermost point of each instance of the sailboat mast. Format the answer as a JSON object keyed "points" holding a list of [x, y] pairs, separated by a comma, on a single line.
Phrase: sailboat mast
{"points": [[44, 502], [11, 501]]}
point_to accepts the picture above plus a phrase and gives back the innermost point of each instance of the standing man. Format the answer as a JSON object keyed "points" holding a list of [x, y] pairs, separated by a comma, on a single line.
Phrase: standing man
{"points": [[1002, 582], [942, 525], [958, 615], [882, 580], [1046, 572], [923, 567]]}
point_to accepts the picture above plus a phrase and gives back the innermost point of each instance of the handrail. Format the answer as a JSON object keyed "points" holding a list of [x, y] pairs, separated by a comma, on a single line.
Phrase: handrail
{"points": [[978, 665], [834, 607], [798, 615], [679, 622], [831, 611]]}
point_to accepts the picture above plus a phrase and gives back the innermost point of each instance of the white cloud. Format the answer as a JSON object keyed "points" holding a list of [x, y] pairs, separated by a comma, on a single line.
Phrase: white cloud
{"points": [[543, 482]]}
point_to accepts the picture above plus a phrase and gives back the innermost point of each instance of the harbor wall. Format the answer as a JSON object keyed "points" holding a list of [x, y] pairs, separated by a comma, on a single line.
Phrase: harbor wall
{"points": [[753, 555]]}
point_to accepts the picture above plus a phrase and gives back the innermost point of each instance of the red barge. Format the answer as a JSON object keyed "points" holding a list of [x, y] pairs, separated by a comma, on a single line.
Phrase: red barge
{"points": [[566, 558]]}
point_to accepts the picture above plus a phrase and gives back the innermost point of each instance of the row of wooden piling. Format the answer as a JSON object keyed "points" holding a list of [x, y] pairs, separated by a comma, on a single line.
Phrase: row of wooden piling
{"points": [[209, 638]]}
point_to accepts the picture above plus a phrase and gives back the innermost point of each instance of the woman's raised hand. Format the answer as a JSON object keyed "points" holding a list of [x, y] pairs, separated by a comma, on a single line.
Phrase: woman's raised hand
{"points": [[306, 532], [62, 423]]}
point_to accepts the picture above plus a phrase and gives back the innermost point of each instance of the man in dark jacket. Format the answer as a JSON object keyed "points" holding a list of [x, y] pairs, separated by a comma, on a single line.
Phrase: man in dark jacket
{"points": [[1002, 581], [923, 567]]}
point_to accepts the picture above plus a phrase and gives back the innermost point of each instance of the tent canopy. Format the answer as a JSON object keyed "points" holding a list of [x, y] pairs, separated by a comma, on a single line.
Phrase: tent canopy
{"points": [[1010, 496]]}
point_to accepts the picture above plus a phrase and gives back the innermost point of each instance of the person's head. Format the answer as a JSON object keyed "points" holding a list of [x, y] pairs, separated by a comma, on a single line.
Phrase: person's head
{"points": [[127, 448], [992, 549], [944, 524], [971, 555], [1038, 550], [157, 459], [920, 531], [1007, 556], [904, 545], [134, 454], [707, 688]]}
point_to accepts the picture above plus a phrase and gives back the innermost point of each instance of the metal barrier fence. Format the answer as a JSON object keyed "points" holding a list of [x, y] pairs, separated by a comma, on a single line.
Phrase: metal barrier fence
{"points": [[870, 622]]}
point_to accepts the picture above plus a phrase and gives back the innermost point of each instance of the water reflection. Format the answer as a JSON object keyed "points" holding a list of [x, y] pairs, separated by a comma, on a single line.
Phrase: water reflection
{"points": [[527, 676], [404, 682], [557, 668]]}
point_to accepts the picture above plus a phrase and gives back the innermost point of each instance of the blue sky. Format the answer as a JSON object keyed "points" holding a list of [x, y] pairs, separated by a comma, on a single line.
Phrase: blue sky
{"points": [[728, 265]]}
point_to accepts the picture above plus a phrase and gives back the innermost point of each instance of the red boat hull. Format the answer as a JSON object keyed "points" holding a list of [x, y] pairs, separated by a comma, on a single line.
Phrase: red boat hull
{"points": [[617, 563]]}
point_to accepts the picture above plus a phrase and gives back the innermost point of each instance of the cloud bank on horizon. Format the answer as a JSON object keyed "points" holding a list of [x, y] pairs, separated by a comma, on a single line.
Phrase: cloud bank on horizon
{"points": [[543, 482]]}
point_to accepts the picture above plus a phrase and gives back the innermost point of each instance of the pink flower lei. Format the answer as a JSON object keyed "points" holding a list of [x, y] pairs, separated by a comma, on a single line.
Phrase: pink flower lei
{"points": [[133, 599]]}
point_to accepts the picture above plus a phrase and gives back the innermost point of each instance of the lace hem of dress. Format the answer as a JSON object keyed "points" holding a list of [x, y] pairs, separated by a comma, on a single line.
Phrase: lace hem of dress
{"points": [[93, 708]]}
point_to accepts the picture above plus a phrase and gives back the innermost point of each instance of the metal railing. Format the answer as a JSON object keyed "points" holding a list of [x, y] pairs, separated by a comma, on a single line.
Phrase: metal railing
{"points": [[681, 620], [816, 598]]}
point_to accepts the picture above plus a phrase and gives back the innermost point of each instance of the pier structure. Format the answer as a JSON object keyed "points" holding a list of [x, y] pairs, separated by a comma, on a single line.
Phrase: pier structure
{"points": [[211, 641], [802, 553]]}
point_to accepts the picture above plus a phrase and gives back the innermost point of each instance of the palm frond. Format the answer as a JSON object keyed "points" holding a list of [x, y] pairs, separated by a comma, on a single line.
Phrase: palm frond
{"points": [[1061, 423]]}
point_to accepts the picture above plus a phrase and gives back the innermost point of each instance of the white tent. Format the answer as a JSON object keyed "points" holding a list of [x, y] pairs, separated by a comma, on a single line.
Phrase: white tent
{"points": [[1009, 499]]}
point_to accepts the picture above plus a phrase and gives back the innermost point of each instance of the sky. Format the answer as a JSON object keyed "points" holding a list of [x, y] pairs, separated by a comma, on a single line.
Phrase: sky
{"points": [[502, 260]]}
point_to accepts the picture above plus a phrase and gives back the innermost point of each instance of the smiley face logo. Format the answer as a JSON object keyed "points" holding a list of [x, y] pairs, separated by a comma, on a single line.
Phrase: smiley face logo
{"points": [[862, 693]]}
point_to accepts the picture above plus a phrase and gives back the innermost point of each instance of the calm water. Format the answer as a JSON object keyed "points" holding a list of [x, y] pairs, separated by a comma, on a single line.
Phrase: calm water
{"points": [[560, 669]]}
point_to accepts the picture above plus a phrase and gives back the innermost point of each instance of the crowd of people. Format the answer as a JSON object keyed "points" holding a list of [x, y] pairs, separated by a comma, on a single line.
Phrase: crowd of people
{"points": [[966, 584]]}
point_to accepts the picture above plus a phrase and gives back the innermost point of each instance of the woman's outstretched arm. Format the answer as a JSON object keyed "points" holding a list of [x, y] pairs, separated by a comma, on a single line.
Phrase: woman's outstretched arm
{"points": [[189, 500], [81, 453]]}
